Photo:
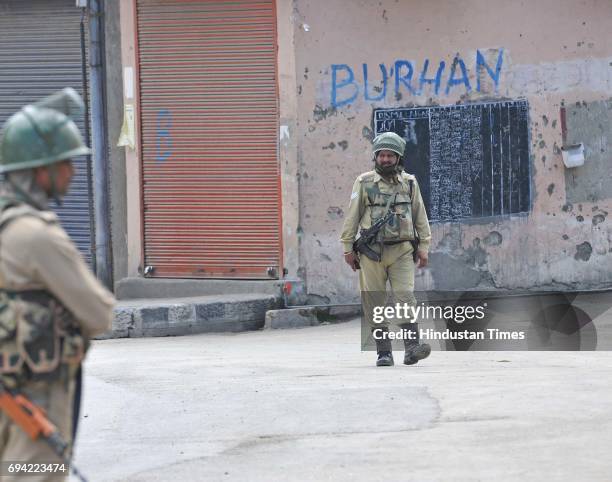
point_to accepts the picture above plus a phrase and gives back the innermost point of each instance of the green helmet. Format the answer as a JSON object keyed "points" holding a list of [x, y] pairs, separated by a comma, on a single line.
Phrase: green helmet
{"points": [[42, 133], [389, 141]]}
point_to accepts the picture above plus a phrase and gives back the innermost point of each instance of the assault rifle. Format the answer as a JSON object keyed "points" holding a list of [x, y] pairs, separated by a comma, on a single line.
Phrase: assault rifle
{"points": [[34, 422], [369, 235]]}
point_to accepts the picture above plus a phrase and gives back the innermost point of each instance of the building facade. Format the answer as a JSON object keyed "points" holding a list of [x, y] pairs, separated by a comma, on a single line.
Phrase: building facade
{"points": [[245, 124]]}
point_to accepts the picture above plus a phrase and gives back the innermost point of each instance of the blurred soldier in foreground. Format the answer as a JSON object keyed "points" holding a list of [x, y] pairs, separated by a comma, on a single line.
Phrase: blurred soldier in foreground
{"points": [[387, 204], [50, 302]]}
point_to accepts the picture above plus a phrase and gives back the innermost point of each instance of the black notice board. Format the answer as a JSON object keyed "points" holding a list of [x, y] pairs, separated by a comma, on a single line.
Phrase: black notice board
{"points": [[470, 160]]}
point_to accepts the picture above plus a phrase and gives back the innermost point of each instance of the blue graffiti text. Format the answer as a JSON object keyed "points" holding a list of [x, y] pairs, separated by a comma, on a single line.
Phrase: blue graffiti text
{"points": [[404, 78]]}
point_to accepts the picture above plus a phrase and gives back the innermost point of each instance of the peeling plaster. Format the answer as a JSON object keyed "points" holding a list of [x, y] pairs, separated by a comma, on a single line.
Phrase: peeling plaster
{"points": [[598, 218], [494, 238], [319, 113], [334, 212], [452, 266], [367, 133], [583, 251]]}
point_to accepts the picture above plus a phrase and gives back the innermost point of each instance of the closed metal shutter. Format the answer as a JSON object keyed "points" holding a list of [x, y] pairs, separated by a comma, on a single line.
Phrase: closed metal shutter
{"points": [[209, 116], [40, 53]]}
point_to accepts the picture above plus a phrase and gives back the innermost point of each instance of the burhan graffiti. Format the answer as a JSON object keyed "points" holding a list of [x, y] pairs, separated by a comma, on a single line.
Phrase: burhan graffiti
{"points": [[346, 87]]}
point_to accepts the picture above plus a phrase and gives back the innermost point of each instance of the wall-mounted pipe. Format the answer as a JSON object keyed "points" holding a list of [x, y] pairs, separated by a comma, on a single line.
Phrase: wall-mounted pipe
{"points": [[87, 129], [100, 148]]}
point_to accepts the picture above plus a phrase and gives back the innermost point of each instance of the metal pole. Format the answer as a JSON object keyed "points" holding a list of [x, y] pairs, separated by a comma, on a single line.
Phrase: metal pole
{"points": [[100, 150], [92, 231]]}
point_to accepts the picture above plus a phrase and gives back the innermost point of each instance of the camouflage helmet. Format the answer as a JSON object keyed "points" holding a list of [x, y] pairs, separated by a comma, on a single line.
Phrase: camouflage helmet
{"points": [[43, 133], [389, 141]]}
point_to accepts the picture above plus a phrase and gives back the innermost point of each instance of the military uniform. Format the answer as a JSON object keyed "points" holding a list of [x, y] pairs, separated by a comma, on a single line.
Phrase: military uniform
{"points": [[50, 302], [371, 197]]}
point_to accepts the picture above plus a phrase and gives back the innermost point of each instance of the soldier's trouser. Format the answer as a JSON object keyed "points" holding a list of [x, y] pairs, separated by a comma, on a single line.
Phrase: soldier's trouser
{"points": [[56, 399], [397, 267]]}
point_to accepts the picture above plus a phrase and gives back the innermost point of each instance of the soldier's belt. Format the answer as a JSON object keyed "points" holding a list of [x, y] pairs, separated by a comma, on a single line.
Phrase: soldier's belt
{"points": [[414, 243], [397, 203], [393, 243]]}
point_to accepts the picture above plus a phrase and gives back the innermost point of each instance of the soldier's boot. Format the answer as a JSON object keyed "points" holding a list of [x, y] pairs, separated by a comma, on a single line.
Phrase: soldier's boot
{"points": [[385, 359], [415, 351], [384, 350]]}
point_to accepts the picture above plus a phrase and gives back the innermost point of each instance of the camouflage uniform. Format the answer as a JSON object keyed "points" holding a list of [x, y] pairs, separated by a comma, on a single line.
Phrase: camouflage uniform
{"points": [[50, 302], [371, 196]]}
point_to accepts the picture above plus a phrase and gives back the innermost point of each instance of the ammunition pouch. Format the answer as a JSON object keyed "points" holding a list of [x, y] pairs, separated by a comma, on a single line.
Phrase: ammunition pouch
{"points": [[391, 223], [38, 335]]}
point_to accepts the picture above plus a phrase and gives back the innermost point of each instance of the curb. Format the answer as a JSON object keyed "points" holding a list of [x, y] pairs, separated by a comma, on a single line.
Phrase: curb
{"points": [[309, 316], [187, 316]]}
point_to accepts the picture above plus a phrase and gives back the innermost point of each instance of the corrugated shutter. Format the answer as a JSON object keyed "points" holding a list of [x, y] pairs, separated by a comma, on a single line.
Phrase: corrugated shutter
{"points": [[209, 114], [40, 53]]}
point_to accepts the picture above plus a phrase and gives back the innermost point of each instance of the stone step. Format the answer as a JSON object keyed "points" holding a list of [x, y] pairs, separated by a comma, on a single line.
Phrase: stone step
{"points": [[134, 288], [189, 315]]}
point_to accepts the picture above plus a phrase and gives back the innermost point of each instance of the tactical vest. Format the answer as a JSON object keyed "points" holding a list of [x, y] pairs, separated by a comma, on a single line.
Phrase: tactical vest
{"points": [[39, 337], [379, 195]]}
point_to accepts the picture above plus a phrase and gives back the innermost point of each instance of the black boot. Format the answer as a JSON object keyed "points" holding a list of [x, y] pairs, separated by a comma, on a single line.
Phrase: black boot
{"points": [[415, 351], [383, 347], [385, 359]]}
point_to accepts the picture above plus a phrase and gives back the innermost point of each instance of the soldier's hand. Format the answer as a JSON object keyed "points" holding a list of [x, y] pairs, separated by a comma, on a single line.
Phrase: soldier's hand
{"points": [[422, 258], [352, 260]]}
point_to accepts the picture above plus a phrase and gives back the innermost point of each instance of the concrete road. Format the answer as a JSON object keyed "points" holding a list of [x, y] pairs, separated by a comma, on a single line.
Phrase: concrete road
{"points": [[307, 405]]}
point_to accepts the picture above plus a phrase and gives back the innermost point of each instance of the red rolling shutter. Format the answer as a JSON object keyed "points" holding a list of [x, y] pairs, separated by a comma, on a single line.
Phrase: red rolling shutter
{"points": [[209, 117]]}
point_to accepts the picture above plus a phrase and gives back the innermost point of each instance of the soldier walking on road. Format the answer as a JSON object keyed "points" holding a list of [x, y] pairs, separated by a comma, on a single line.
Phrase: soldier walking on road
{"points": [[50, 302], [390, 195]]}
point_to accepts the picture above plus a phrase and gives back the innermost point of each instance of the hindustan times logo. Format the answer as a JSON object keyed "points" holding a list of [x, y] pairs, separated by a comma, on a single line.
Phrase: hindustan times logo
{"points": [[410, 313], [432, 334]]}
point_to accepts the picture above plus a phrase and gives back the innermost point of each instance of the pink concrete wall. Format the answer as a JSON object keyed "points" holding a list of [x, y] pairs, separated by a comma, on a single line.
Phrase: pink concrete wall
{"points": [[552, 52]]}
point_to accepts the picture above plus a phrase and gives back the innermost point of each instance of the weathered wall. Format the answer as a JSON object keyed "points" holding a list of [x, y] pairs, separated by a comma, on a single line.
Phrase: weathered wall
{"points": [[130, 95], [552, 53], [287, 93]]}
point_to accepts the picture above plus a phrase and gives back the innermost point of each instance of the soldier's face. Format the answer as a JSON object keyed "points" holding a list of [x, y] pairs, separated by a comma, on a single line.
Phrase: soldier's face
{"points": [[65, 172], [386, 158], [63, 176]]}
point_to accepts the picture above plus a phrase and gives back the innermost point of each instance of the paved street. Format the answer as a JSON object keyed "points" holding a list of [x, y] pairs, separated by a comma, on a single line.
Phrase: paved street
{"points": [[307, 405]]}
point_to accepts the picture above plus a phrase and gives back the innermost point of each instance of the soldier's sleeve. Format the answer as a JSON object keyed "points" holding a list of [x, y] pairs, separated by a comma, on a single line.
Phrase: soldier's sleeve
{"points": [[53, 260], [419, 215], [353, 217]]}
